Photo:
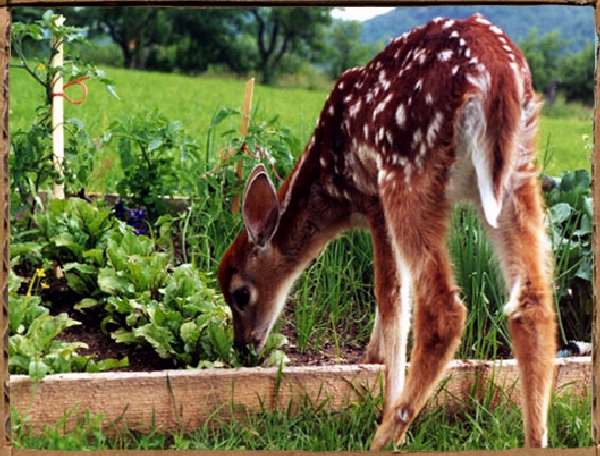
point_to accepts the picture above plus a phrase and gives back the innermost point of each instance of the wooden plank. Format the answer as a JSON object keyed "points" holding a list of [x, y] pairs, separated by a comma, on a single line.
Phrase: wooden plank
{"points": [[596, 248], [205, 3], [4, 226], [181, 400]]}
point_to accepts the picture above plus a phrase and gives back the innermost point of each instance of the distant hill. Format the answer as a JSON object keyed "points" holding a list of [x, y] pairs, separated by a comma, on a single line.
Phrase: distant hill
{"points": [[575, 23]]}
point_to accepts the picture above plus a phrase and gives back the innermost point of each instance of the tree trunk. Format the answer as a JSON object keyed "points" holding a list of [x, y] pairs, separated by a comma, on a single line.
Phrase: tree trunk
{"points": [[266, 74]]}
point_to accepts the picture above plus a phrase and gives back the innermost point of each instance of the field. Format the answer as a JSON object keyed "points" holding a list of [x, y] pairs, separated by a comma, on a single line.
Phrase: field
{"points": [[565, 130]]}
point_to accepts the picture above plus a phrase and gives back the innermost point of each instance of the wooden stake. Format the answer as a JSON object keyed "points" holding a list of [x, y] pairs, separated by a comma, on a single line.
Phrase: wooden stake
{"points": [[596, 247], [5, 428], [244, 126], [58, 134]]}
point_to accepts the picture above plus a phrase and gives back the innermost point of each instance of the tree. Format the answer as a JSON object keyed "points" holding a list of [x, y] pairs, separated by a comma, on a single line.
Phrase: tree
{"points": [[577, 76], [280, 31], [543, 55], [345, 49], [134, 29], [209, 36]]}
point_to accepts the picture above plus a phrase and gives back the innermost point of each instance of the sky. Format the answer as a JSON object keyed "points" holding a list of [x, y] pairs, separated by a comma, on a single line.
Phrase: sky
{"points": [[360, 13]]}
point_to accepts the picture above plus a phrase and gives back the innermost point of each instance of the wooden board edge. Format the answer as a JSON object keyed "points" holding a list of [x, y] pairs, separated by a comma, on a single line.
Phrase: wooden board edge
{"points": [[181, 400]]}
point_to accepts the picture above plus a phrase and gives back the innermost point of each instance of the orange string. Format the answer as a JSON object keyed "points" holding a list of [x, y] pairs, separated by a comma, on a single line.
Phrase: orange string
{"points": [[73, 82]]}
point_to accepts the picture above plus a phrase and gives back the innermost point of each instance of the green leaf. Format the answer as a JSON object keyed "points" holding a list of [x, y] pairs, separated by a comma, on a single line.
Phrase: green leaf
{"points": [[113, 284], [122, 336], [159, 337], [111, 90], [155, 144], [65, 240], [190, 333], [560, 212], [86, 303], [109, 363], [97, 255], [37, 369], [276, 358]]}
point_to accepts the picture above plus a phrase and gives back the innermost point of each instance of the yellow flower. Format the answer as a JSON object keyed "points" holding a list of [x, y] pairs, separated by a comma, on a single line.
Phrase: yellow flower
{"points": [[40, 272], [40, 67], [45, 286]]}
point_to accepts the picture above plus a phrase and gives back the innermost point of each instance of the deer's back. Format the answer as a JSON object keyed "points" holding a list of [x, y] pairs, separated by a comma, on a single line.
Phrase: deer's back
{"points": [[403, 109]]}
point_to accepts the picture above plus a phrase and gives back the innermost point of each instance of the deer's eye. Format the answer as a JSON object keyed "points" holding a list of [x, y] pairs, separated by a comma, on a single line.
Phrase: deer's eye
{"points": [[241, 297]]}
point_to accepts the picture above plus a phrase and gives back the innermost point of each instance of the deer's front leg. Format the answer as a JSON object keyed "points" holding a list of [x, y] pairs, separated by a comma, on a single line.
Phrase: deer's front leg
{"points": [[392, 323], [439, 319], [420, 250]]}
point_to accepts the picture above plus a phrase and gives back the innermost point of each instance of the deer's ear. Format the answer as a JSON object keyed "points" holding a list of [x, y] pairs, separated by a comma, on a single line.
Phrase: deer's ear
{"points": [[260, 208]]}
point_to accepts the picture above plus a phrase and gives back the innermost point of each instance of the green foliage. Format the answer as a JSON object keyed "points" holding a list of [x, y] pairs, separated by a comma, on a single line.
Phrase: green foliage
{"points": [[30, 164], [139, 297], [133, 29], [50, 34], [171, 309], [72, 234], [480, 279], [345, 49], [577, 75], [570, 216], [208, 227], [31, 158], [33, 346], [543, 55], [154, 153], [283, 30]]}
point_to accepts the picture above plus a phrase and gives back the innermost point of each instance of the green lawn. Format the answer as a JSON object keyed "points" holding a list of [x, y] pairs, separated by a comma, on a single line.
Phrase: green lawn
{"points": [[193, 101]]}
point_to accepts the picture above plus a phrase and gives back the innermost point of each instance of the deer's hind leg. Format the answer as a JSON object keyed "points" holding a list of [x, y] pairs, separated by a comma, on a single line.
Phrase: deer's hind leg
{"points": [[521, 245], [417, 224]]}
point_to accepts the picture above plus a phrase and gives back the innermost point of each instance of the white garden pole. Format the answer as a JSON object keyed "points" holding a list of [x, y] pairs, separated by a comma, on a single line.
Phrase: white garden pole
{"points": [[58, 134]]}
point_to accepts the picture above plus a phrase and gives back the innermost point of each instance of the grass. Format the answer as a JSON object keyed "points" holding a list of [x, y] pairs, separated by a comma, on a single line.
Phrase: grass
{"points": [[565, 134], [314, 428], [191, 100], [565, 129]]}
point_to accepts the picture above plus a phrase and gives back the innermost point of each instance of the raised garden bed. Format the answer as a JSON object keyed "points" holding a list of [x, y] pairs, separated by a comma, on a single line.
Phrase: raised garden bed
{"points": [[181, 400]]}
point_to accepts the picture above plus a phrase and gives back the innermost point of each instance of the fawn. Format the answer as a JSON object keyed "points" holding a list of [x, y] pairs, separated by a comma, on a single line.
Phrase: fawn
{"points": [[444, 114]]}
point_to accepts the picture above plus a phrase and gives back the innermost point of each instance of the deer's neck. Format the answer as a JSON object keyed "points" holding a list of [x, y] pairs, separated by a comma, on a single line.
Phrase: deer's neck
{"points": [[310, 216]]}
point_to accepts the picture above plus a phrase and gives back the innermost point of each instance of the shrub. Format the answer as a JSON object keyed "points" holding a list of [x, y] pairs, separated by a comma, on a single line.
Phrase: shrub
{"points": [[154, 153]]}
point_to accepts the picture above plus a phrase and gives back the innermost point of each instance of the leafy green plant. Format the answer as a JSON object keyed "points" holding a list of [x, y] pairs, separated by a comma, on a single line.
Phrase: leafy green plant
{"points": [[154, 153], [73, 235], [175, 312], [33, 346], [570, 216], [31, 159]]}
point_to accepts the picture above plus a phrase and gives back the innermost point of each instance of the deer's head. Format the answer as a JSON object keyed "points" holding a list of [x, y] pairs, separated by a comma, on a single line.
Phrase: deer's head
{"points": [[254, 276]]}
